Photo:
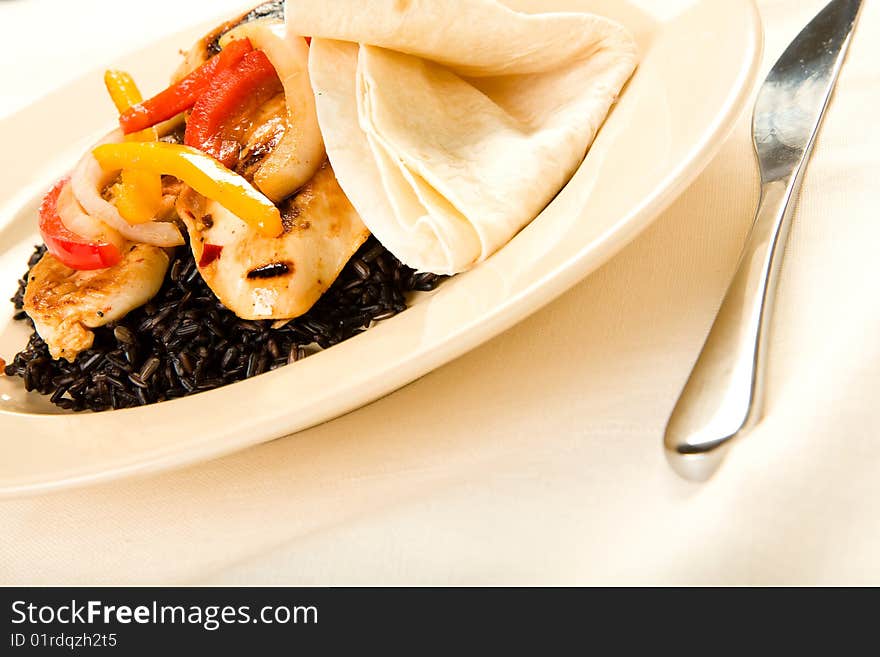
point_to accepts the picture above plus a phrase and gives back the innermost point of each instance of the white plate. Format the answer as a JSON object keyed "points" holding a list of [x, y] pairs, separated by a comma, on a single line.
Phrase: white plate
{"points": [[699, 65]]}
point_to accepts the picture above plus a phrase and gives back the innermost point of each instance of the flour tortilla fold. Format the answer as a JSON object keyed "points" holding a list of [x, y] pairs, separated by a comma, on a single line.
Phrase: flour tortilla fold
{"points": [[451, 124]]}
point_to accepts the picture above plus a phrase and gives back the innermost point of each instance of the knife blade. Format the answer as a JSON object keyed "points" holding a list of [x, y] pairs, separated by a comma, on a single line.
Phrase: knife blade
{"points": [[722, 396]]}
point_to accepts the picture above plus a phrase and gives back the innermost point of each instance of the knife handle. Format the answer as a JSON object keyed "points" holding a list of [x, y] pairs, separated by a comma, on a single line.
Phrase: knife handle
{"points": [[723, 394]]}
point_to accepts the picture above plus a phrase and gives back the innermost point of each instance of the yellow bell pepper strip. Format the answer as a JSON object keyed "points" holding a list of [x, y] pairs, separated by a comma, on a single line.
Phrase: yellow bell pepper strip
{"points": [[124, 93], [139, 193], [201, 172]]}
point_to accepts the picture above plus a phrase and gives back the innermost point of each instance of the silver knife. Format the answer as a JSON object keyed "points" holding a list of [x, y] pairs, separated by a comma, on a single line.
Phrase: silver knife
{"points": [[723, 394]]}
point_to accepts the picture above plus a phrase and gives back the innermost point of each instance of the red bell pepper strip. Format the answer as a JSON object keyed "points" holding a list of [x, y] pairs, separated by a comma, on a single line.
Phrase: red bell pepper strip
{"points": [[232, 92], [210, 253], [72, 250], [183, 94]]}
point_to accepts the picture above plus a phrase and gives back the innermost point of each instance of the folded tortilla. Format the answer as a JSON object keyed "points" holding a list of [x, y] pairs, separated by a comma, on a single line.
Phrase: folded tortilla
{"points": [[451, 124]]}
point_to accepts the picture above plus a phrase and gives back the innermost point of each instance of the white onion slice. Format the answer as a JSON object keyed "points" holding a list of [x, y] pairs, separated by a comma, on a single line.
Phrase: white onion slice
{"points": [[88, 180], [299, 153], [77, 221]]}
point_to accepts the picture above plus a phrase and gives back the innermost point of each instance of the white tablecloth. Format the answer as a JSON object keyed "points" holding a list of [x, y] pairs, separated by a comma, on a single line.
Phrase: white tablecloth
{"points": [[536, 458]]}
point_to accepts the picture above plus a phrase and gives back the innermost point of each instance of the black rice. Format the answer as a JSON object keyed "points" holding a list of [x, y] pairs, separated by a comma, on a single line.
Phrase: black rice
{"points": [[185, 341]]}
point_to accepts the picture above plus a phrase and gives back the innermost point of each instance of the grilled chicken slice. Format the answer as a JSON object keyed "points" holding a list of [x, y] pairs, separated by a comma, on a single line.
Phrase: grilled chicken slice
{"points": [[258, 132], [280, 145], [65, 303], [281, 277], [259, 129], [209, 44]]}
